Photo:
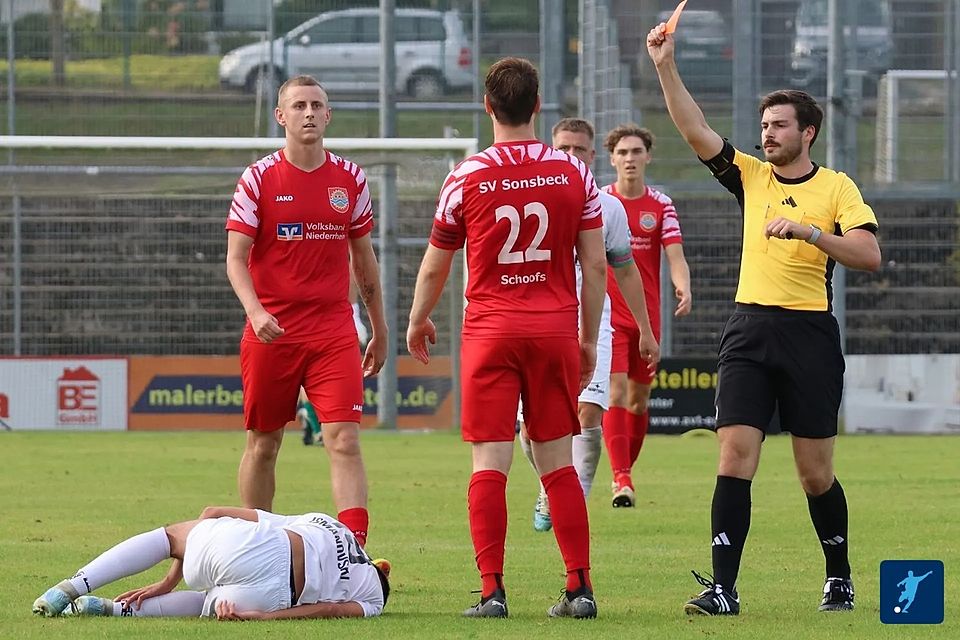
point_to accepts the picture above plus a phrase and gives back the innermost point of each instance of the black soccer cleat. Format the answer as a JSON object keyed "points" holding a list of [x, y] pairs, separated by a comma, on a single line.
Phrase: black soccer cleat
{"points": [[580, 604], [715, 600], [492, 606], [837, 595]]}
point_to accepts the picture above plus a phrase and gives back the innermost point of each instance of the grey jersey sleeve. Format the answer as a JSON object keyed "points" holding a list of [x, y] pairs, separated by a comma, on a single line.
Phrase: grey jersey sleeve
{"points": [[616, 232]]}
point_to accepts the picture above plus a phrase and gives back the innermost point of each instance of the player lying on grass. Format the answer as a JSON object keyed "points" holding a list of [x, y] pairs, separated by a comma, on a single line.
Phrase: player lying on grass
{"points": [[243, 564]]}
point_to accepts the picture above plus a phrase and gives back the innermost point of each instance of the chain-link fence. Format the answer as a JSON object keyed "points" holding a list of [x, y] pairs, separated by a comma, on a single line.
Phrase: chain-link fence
{"points": [[117, 256], [130, 260]]}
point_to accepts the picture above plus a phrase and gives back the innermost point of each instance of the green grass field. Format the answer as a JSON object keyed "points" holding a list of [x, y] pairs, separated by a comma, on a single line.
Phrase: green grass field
{"points": [[66, 497]]}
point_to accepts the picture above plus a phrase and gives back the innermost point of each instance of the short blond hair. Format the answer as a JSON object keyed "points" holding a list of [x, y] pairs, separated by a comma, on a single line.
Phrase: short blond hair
{"points": [[574, 125], [299, 81]]}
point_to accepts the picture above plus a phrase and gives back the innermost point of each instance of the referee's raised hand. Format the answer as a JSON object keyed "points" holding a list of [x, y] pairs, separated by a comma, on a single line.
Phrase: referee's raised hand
{"points": [[660, 44]]}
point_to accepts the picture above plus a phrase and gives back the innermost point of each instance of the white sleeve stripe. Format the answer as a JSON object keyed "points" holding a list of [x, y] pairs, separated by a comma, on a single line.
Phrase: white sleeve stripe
{"points": [[451, 201], [448, 191], [244, 208]]}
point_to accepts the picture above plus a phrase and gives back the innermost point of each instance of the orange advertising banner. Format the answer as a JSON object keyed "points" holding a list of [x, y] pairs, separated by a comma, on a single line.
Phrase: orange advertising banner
{"points": [[205, 393]]}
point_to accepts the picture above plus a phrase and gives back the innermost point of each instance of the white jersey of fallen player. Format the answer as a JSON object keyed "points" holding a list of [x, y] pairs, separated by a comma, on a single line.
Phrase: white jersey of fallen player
{"points": [[336, 568]]}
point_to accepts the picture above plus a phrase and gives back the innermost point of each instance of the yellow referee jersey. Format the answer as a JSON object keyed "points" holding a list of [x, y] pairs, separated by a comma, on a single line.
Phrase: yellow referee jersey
{"points": [[788, 273]]}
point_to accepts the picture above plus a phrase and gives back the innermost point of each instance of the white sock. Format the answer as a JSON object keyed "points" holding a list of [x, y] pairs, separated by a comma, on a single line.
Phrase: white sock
{"points": [[130, 557], [528, 451], [586, 455], [176, 604]]}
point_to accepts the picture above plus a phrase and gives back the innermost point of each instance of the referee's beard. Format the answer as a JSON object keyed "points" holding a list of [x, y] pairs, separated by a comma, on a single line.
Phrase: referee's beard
{"points": [[784, 154]]}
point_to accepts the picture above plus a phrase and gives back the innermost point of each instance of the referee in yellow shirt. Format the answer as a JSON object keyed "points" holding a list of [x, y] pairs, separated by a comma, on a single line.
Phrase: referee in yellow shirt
{"points": [[782, 345]]}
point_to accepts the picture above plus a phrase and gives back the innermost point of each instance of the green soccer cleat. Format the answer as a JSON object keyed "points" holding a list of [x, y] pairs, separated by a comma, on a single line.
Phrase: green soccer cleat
{"points": [[541, 514], [90, 606], [53, 602]]}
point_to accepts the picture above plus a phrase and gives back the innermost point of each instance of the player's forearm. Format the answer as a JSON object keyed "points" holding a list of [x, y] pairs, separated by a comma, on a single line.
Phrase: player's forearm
{"points": [[630, 283], [856, 250], [686, 113], [431, 278], [239, 275], [318, 610], [366, 274], [680, 273], [174, 574]]}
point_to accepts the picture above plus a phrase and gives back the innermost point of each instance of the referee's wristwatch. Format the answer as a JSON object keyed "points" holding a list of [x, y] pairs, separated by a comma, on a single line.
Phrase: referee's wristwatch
{"points": [[814, 234]]}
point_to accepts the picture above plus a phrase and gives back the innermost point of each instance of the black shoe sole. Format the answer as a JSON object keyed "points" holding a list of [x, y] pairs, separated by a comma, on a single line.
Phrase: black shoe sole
{"points": [[621, 502]]}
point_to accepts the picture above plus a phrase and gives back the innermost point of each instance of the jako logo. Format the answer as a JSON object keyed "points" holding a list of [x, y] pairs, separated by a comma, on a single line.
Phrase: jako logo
{"points": [[284, 198], [289, 231]]}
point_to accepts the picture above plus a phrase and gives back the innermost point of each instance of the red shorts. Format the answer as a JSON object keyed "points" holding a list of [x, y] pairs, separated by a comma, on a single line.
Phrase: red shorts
{"points": [[497, 372], [626, 354], [329, 370]]}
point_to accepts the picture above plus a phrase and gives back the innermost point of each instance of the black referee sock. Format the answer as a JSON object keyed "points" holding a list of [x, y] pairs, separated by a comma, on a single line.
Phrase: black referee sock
{"points": [[730, 521], [829, 514]]}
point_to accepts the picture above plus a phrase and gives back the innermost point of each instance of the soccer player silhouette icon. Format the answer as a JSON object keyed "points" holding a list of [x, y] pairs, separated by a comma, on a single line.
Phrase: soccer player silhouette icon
{"points": [[909, 585]]}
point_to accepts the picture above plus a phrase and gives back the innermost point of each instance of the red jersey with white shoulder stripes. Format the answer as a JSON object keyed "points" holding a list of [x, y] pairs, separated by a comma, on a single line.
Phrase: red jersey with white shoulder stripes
{"points": [[653, 225], [520, 207], [300, 222]]}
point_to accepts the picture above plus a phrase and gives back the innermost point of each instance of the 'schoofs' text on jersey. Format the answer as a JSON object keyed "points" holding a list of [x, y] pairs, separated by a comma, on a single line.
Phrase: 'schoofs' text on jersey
{"points": [[525, 279], [506, 184]]}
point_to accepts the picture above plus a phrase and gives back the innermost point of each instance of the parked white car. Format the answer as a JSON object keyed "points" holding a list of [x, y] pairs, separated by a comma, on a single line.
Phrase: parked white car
{"points": [[342, 50]]}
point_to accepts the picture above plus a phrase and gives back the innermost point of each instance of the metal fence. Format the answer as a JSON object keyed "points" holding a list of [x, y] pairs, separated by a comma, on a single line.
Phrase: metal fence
{"points": [[126, 257]]}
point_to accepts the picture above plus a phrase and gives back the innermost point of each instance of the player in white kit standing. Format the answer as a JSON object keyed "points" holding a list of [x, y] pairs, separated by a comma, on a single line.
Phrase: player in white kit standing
{"points": [[575, 136]]}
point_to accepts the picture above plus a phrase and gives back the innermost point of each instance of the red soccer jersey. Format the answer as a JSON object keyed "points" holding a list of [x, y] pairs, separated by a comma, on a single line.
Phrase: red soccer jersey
{"points": [[300, 223], [653, 225], [520, 207]]}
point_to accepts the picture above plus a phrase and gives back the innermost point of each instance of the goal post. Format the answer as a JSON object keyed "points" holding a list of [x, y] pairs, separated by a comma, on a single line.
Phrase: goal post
{"points": [[114, 245], [917, 132]]}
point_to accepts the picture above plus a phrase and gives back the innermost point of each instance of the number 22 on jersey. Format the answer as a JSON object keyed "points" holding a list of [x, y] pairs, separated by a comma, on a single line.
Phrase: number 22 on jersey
{"points": [[509, 254]]}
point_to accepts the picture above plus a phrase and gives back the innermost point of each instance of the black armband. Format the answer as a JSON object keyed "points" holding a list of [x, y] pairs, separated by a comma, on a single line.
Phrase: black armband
{"points": [[721, 163]]}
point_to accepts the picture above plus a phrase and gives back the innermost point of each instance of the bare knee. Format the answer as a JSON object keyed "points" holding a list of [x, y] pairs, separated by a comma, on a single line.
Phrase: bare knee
{"points": [[739, 452], [814, 460], [815, 479], [618, 390], [342, 439], [590, 415], [638, 396], [264, 447]]}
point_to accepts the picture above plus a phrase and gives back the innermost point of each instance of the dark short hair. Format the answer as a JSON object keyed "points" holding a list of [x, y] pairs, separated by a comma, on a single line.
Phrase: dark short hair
{"points": [[299, 81], [574, 125], [809, 113], [384, 584], [512, 86], [622, 131]]}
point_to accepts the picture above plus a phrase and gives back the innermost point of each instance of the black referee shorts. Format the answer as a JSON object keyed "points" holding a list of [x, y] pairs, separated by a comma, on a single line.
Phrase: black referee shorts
{"points": [[771, 356]]}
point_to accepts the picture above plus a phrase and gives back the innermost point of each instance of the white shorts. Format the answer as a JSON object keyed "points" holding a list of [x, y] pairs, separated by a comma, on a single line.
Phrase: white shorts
{"points": [[598, 391], [245, 563]]}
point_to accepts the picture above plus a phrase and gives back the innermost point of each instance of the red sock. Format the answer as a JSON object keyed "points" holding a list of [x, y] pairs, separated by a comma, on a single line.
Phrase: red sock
{"points": [[487, 505], [568, 510], [640, 423], [616, 435], [357, 520]]}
